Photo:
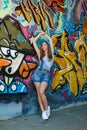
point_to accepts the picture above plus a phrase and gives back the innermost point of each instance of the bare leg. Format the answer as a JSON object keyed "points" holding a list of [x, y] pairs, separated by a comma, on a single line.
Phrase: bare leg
{"points": [[43, 88], [37, 86]]}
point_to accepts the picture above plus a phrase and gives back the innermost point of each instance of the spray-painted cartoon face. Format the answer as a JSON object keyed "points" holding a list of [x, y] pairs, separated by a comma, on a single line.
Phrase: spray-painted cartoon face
{"points": [[11, 69], [13, 45], [14, 66], [15, 58]]}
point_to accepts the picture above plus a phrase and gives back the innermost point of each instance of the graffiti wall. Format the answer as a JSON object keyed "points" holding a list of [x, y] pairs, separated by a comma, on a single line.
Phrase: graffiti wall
{"points": [[65, 21]]}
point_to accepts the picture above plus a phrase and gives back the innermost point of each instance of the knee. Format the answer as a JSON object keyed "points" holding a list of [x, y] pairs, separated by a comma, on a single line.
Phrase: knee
{"points": [[42, 92]]}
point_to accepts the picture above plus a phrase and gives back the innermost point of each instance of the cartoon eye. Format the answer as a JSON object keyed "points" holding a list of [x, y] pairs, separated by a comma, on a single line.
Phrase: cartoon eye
{"points": [[13, 53], [5, 51]]}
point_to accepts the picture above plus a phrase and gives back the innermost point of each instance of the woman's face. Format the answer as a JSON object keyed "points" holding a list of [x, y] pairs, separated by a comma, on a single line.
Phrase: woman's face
{"points": [[44, 46]]}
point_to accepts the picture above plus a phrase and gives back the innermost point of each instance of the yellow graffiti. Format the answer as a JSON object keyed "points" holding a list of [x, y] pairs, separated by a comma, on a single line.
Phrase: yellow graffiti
{"points": [[68, 69], [39, 13], [81, 49]]}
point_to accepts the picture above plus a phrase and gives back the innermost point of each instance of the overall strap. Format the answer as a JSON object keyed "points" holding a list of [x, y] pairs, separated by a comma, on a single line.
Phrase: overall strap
{"points": [[41, 65]]}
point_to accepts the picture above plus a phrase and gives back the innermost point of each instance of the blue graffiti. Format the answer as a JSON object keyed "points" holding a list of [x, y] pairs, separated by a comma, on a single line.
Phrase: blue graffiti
{"points": [[6, 2], [14, 87], [70, 27], [82, 16], [20, 38]]}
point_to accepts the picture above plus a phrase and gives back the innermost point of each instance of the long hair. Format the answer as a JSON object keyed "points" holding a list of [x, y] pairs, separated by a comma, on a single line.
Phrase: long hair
{"points": [[42, 52]]}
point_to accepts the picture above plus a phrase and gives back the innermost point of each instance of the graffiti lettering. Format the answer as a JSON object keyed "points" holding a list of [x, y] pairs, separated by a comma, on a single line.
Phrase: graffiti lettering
{"points": [[24, 10], [38, 11], [68, 68]]}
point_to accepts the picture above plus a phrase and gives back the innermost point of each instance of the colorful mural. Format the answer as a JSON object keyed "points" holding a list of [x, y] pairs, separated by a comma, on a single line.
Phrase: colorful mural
{"points": [[65, 21], [13, 53]]}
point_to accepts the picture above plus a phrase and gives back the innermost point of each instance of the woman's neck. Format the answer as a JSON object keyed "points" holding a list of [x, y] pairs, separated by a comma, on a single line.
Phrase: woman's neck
{"points": [[46, 53]]}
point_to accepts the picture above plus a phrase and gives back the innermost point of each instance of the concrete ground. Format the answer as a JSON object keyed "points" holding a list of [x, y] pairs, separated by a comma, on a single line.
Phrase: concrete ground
{"points": [[74, 118]]}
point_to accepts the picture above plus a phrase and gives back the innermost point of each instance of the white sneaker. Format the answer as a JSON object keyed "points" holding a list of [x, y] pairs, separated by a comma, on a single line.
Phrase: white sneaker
{"points": [[48, 111], [44, 116]]}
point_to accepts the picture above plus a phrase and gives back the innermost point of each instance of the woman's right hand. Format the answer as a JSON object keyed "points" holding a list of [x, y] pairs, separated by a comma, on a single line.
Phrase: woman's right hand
{"points": [[41, 32]]}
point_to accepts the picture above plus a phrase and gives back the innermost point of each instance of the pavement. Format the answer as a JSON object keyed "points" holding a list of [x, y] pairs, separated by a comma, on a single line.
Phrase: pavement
{"points": [[74, 118]]}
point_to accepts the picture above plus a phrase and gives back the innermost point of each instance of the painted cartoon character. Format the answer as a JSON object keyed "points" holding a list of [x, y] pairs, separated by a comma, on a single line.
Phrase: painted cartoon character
{"points": [[16, 60]]}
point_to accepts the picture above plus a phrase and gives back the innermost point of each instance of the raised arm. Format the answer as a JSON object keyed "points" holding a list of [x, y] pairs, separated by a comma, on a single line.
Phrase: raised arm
{"points": [[35, 44], [51, 45]]}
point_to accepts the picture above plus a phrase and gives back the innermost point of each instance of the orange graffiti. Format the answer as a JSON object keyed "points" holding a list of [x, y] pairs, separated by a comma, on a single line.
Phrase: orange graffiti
{"points": [[38, 11], [23, 9], [4, 62], [25, 68]]}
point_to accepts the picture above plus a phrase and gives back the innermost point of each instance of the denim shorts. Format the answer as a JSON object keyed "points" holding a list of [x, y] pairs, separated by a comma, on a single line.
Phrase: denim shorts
{"points": [[40, 76]]}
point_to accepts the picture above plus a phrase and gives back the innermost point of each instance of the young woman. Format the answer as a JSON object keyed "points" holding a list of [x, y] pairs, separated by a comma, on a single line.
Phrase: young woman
{"points": [[42, 74]]}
